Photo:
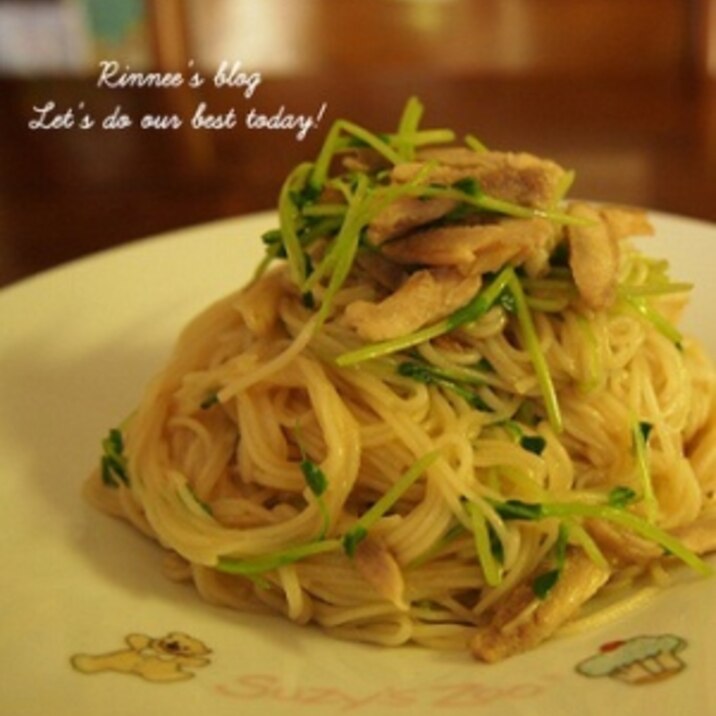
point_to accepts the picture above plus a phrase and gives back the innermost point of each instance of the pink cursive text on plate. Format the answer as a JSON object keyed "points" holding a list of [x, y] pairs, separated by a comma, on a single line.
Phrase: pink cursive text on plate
{"points": [[270, 689]]}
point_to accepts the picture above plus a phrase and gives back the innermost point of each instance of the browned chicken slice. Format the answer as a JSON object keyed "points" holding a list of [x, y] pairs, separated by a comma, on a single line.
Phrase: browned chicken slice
{"points": [[625, 221], [378, 567], [427, 296], [594, 248], [490, 245], [622, 547], [404, 214], [593, 257], [521, 178], [259, 303], [523, 621]]}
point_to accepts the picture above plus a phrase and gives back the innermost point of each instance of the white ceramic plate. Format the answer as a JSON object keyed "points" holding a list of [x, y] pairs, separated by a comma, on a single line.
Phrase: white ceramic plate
{"points": [[77, 345]]}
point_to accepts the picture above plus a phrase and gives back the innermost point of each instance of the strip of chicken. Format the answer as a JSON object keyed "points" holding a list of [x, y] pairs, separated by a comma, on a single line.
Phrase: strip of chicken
{"points": [[404, 214], [623, 548], [523, 621], [625, 221], [259, 304], [593, 257], [517, 177], [379, 568], [426, 297], [594, 248], [490, 245]]}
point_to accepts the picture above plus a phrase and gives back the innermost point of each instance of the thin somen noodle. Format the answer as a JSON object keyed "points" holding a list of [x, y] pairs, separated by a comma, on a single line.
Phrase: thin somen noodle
{"points": [[451, 407]]}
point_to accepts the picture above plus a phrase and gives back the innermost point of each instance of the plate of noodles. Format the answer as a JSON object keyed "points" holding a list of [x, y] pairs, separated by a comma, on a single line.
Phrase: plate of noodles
{"points": [[431, 437]]}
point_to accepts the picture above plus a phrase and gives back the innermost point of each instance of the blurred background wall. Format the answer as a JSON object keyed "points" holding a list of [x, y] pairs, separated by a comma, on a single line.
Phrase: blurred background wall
{"points": [[622, 90], [569, 37]]}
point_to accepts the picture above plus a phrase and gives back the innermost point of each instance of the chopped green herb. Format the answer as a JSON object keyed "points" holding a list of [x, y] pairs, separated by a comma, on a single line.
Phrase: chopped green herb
{"points": [[353, 538], [429, 375], [518, 510], [317, 483], [544, 583], [533, 443], [210, 400], [640, 436], [304, 197], [421, 372], [645, 430], [307, 297], [560, 255], [271, 237], [621, 496], [496, 546], [360, 529], [113, 465], [315, 477], [468, 185]]}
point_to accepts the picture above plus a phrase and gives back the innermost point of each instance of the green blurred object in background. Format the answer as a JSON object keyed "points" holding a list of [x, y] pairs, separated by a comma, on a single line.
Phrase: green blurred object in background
{"points": [[113, 21], [119, 29]]}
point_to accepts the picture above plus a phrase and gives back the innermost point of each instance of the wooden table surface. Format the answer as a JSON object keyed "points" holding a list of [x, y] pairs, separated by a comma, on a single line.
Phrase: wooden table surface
{"points": [[68, 192]]}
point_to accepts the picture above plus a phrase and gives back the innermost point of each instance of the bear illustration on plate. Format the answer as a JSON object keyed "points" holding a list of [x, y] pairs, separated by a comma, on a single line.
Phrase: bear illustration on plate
{"points": [[168, 659]]}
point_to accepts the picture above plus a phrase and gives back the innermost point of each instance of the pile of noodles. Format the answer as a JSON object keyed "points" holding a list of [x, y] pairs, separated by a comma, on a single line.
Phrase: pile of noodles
{"points": [[445, 487]]}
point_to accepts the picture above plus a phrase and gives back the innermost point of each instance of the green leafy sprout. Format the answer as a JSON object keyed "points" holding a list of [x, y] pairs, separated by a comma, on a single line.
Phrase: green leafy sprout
{"points": [[255, 566], [614, 511], [113, 464], [316, 481]]}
